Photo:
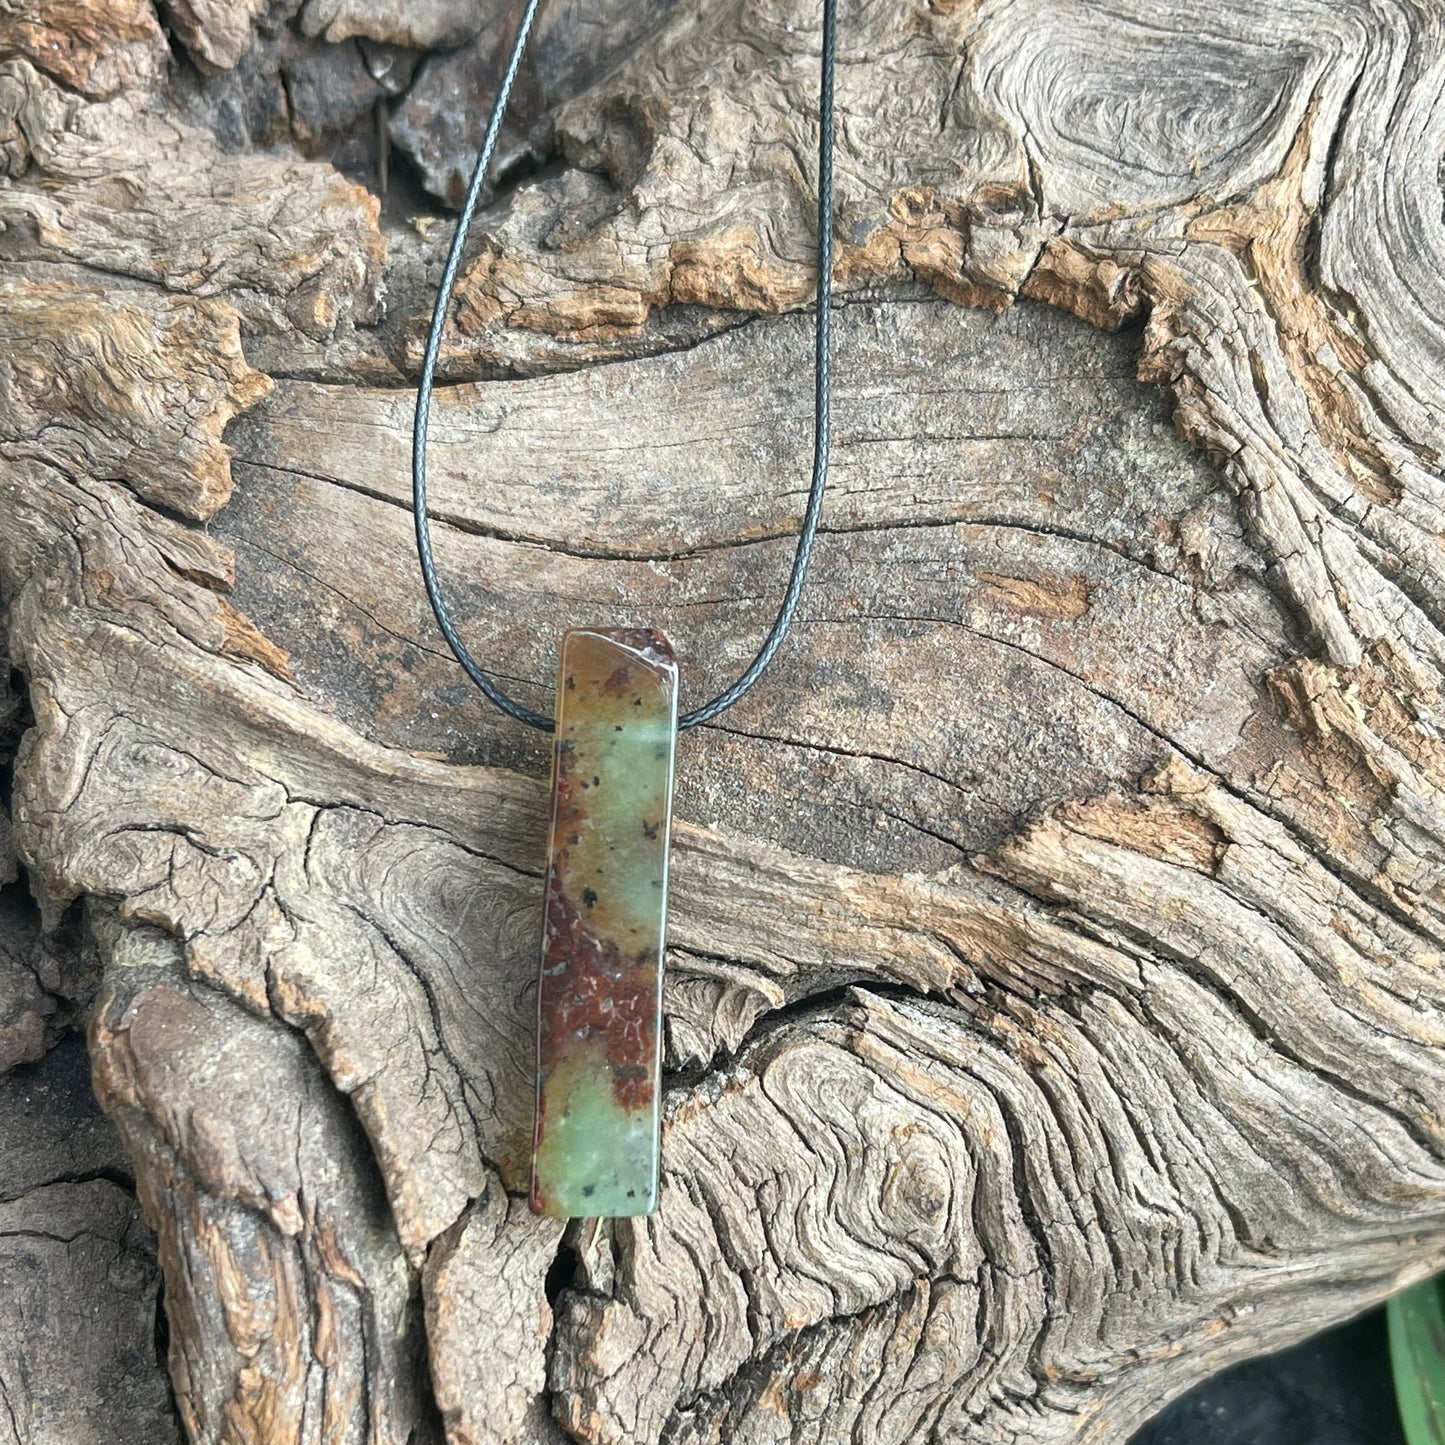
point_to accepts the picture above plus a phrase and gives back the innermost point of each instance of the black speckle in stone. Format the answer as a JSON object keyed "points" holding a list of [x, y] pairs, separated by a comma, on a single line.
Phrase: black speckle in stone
{"points": [[589, 897], [588, 1190], [637, 702], [571, 683], [617, 727], [632, 1194], [649, 830], [660, 754], [596, 782]]}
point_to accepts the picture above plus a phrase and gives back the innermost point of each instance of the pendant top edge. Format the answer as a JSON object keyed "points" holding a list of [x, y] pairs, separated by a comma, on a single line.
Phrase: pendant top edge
{"points": [[648, 644]]}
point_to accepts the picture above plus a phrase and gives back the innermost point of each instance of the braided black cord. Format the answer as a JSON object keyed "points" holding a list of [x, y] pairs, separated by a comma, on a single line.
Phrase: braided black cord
{"points": [[822, 353]]}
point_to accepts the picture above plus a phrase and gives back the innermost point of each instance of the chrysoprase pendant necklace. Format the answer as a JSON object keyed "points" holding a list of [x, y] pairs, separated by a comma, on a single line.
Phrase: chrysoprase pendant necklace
{"points": [[599, 995]]}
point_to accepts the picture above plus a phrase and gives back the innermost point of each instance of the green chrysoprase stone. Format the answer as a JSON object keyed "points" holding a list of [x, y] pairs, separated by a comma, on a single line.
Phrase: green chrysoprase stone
{"points": [[599, 995]]}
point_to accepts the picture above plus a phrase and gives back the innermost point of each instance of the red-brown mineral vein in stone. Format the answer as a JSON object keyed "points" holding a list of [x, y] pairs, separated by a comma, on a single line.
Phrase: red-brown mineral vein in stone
{"points": [[599, 995]]}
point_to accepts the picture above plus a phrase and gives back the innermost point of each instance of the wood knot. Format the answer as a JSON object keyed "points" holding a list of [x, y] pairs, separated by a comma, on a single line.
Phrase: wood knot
{"points": [[917, 1188]]}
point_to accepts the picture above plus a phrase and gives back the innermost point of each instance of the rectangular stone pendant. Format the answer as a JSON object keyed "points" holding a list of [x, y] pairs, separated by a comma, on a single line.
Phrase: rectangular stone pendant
{"points": [[599, 995]]}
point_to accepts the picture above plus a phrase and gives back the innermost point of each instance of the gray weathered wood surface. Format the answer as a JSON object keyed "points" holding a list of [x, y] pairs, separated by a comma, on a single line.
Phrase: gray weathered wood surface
{"points": [[1056, 996], [78, 1270]]}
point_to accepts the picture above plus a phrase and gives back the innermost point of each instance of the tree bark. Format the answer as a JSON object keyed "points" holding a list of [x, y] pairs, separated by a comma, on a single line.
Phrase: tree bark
{"points": [[1055, 990]]}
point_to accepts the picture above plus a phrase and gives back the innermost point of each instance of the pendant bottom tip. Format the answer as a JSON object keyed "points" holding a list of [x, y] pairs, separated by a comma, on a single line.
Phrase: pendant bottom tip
{"points": [[553, 1207]]}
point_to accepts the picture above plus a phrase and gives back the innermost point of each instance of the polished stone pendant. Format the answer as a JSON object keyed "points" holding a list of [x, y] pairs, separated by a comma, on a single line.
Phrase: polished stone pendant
{"points": [[599, 995]]}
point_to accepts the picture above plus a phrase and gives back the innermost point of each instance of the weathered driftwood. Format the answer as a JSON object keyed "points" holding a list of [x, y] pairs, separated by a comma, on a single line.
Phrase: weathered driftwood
{"points": [[1056, 997], [78, 1271]]}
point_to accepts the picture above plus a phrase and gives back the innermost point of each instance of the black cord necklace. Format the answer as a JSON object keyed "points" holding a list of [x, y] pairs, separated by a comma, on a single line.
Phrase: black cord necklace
{"points": [[599, 997]]}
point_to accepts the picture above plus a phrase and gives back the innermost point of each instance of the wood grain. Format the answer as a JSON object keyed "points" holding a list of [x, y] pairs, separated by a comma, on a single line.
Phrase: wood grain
{"points": [[1054, 1003], [78, 1308]]}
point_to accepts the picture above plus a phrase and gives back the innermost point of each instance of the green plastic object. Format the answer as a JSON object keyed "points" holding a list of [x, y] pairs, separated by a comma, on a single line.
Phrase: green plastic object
{"points": [[1417, 1360]]}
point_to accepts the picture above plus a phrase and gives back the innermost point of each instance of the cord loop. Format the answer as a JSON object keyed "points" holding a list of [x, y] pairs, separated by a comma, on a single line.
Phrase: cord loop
{"points": [[821, 391]]}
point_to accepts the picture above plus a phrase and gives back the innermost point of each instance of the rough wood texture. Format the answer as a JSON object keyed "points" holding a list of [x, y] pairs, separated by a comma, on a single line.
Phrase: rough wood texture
{"points": [[1055, 1005], [78, 1274]]}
